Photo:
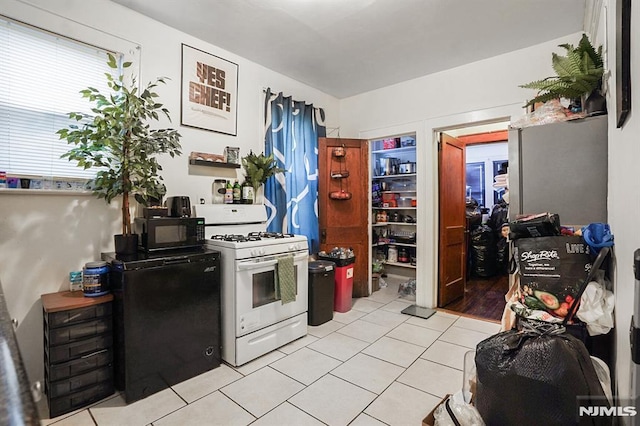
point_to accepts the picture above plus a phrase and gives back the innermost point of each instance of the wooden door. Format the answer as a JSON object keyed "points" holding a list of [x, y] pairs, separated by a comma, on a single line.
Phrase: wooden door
{"points": [[452, 250], [344, 223]]}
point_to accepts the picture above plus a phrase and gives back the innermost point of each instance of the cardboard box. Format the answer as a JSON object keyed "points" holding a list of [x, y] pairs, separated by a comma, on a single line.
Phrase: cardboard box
{"points": [[430, 420]]}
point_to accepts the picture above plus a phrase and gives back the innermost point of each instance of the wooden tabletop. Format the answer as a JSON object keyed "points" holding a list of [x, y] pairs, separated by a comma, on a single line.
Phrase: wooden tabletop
{"points": [[65, 300]]}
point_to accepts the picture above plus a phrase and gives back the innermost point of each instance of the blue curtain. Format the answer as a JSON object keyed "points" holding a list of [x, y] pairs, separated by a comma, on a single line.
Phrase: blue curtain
{"points": [[292, 129]]}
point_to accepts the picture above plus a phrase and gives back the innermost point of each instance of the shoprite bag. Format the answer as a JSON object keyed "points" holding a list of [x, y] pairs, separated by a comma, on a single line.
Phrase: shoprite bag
{"points": [[552, 270]]}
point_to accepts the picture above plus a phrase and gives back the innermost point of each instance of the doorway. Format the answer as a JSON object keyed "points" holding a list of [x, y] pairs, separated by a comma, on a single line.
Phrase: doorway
{"points": [[485, 251]]}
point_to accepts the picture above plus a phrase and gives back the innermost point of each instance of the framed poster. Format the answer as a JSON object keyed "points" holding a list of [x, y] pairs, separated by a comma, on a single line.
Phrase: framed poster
{"points": [[209, 92], [623, 60]]}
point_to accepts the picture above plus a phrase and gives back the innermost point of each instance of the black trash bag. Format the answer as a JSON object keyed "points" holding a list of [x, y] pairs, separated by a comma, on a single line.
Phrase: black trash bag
{"points": [[502, 256], [534, 377], [483, 251], [499, 216], [473, 213]]}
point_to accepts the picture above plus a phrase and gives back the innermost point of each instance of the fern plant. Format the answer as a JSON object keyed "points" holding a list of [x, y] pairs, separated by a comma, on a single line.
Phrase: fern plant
{"points": [[578, 73], [259, 168]]}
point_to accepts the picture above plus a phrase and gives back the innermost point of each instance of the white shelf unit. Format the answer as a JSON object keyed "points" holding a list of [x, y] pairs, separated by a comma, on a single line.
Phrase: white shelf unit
{"points": [[386, 179]]}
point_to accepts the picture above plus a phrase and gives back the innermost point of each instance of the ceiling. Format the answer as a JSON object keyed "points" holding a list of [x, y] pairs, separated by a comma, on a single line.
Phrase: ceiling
{"points": [[347, 47]]}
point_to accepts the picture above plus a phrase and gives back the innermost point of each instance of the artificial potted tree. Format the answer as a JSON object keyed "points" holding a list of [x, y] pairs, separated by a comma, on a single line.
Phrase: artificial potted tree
{"points": [[117, 139], [579, 75], [259, 168]]}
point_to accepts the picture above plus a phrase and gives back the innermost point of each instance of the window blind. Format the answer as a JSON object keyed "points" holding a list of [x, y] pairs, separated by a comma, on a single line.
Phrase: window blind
{"points": [[41, 75]]}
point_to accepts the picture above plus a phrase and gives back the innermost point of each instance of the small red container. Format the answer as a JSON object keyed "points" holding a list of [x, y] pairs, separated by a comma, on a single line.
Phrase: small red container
{"points": [[391, 143], [388, 196]]}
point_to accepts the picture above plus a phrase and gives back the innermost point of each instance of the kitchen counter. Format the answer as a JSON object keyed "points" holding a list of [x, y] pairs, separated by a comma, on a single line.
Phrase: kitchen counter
{"points": [[16, 401]]}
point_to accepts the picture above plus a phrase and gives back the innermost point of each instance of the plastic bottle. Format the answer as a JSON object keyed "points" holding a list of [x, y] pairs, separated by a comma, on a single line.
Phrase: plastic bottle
{"points": [[237, 193], [228, 194], [392, 254]]}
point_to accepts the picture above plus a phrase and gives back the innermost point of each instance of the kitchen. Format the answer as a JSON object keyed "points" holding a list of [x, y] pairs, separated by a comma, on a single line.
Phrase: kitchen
{"points": [[81, 227]]}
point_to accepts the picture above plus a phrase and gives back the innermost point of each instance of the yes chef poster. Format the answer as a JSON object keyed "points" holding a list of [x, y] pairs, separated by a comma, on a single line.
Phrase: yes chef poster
{"points": [[209, 91]]}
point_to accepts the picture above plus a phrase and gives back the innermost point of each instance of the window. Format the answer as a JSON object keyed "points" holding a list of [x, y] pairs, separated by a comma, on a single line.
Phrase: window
{"points": [[475, 182], [499, 167], [42, 74]]}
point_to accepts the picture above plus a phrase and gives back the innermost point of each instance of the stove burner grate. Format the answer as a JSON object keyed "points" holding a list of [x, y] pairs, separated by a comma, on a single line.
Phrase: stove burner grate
{"points": [[270, 235], [235, 237]]}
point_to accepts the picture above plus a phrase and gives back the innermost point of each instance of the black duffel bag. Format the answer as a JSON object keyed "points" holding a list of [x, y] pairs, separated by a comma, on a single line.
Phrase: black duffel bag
{"points": [[536, 376]]}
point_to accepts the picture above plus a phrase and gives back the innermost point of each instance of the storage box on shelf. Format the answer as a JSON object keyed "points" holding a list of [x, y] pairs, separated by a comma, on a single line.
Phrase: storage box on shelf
{"points": [[78, 354]]}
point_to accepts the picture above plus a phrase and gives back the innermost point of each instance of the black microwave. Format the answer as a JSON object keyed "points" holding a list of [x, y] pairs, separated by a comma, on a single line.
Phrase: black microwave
{"points": [[165, 233]]}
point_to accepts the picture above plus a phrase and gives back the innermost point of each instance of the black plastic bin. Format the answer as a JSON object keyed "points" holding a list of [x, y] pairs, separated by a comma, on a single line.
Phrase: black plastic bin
{"points": [[321, 291]]}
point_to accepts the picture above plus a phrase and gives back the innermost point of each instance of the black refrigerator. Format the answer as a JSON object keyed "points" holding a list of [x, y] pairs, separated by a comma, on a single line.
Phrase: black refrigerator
{"points": [[166, 319]]}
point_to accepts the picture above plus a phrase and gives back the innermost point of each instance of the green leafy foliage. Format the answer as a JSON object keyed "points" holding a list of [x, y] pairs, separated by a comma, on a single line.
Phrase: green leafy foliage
{"points": [[118, 138], [259, 168], [578, 73]]}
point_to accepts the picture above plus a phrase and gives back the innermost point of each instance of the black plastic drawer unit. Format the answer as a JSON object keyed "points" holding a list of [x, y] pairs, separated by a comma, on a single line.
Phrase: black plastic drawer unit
{"points": [[78, 350], [80, 365]]}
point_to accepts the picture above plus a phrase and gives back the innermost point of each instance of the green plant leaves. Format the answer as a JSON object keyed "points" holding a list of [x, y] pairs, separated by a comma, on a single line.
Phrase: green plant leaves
{"points": [[259, 168], [119, 139], [578, 73]]}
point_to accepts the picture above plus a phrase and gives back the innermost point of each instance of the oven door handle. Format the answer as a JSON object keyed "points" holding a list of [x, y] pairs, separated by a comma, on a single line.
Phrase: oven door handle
{"points": [[266, 263], [254, 265]]}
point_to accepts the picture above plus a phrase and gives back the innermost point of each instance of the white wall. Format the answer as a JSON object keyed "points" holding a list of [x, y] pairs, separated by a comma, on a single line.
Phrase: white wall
{"points": [[478, 93], [43, 237], [624, 192]]}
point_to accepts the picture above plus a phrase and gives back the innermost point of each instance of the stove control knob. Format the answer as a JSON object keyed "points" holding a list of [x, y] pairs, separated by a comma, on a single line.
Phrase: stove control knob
{"points": [[262, 252], [293, 247]]}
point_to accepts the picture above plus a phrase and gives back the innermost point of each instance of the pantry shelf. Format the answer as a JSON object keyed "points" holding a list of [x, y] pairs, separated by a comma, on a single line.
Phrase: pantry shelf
{"points": [[394, 223], [394, 176], [391, 186], [394, 208], [394, 150], [402, 265], [395, 244]]}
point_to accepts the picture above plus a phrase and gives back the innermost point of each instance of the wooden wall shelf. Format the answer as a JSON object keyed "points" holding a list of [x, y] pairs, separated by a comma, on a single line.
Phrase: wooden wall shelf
{"points": [[213, 164]]}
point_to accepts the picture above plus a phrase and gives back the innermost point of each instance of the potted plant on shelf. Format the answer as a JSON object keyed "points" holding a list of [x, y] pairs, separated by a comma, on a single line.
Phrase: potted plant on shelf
{"points": [[579, 74], [259, 168], [118, 140]]}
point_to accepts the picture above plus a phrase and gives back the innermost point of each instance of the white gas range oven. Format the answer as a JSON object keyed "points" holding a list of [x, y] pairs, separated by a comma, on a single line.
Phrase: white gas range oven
{"points": [[254, 319]]}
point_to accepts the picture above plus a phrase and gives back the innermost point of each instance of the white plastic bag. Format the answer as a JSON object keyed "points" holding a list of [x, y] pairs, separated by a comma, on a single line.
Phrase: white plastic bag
{"points": [[596, 307], [465, 414], [604, 376]]}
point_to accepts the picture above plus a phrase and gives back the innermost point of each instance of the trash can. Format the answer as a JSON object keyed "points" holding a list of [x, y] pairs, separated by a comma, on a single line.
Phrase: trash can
{"points": [[321, 291], [344, 282]]}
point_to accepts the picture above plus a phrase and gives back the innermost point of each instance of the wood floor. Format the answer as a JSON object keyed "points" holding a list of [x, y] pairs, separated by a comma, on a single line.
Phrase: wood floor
{"points": [[483, 297]]}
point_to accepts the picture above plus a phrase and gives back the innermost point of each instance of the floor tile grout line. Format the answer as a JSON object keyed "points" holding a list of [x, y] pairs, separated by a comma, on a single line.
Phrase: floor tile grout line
{"points": [[330, 372], [238, 404], [286, 401], [186, 404]]}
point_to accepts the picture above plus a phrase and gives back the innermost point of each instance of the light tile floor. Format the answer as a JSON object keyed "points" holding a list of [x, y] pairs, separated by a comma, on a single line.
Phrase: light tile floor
{"points": [[369, 366]]}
